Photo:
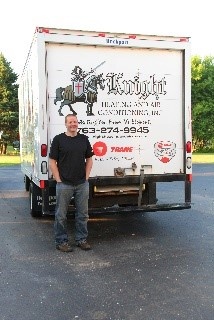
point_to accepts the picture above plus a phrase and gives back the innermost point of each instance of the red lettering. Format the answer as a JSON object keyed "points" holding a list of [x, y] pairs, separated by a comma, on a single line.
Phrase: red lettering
{"points": [[121, 149]]}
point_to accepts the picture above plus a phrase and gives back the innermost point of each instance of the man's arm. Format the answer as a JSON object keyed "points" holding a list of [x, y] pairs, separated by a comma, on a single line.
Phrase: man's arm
{"points": [[54, 169], [88, 166]]}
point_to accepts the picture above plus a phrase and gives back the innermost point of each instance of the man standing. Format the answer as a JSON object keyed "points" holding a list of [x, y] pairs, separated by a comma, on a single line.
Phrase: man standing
{"points": [[71, 163]]}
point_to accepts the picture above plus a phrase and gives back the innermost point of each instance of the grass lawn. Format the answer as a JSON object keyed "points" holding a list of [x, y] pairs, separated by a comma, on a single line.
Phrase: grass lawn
{"points": [[203, 158], [12, 157], [9, 160]]}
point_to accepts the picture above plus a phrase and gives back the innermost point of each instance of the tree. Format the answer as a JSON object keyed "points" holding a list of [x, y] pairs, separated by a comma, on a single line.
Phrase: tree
{"points": [[203, 102], [9, 108]]}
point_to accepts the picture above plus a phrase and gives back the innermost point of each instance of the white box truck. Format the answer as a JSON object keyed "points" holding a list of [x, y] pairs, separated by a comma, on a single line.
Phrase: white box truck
{"points": [[132, 96]]}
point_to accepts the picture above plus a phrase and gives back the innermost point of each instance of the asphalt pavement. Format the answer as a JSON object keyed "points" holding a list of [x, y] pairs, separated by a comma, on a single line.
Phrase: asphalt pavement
{"points": [[145, 266]]}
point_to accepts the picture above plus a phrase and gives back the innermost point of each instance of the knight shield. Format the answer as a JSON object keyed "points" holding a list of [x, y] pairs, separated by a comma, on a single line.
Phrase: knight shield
{"points": [[78, 87]]}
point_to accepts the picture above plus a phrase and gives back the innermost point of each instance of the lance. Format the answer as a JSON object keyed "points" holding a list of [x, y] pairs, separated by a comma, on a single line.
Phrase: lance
{"points": [[92, 70]]}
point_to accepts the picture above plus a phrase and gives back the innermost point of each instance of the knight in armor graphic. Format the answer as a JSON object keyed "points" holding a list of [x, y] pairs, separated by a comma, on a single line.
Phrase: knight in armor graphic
{"points": [[83, 88]]}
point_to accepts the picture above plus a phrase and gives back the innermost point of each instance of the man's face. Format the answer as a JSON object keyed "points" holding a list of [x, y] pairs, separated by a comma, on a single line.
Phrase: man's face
{"points": [[71, 124]]}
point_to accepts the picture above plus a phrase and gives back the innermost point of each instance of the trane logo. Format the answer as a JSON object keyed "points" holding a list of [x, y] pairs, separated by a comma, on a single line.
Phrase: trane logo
{"points": [[121, 149]]}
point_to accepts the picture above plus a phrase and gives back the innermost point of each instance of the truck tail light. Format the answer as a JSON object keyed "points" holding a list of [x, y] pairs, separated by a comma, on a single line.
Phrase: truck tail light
{"points": [[42, 184], [184, 40], [42, 30], [132, 36], [44, 150], [189, 177], [188, 147]]}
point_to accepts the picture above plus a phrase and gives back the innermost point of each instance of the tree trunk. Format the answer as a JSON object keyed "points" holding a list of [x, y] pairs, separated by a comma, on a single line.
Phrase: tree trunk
{"points": [[3, 148]]}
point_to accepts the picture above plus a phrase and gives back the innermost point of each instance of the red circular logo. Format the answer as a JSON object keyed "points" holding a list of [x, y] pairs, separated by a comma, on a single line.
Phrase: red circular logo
{"points": [[99, 148]]}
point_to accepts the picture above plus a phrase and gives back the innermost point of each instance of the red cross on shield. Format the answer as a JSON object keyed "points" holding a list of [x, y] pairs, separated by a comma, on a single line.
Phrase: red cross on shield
{"points": [[78, 88]]}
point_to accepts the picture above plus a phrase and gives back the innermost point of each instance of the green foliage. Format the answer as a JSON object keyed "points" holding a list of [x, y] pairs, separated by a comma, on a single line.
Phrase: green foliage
{"points": [[203, 102], [9, 108]]}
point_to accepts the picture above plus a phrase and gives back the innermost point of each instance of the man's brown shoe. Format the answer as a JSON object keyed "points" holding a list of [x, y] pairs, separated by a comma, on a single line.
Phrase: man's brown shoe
{"points": [[64, 247], [84, 245]]}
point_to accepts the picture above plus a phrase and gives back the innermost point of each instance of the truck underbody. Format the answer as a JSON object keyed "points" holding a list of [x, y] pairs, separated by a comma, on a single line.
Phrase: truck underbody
{"points": [[109, 195]]}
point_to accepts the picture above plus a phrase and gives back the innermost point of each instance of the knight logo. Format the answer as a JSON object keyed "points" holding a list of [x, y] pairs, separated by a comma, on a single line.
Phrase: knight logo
{"points": [[165, 150], [83, 88], [99, 148]]}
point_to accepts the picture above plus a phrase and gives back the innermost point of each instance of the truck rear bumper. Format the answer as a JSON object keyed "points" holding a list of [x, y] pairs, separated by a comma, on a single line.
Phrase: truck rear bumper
{"points": [[133, 209], [131, 194], [143, 208]]}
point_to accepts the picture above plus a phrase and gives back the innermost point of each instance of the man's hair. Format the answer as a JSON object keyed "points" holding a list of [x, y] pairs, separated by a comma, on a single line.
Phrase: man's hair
{"points": [[70, 115]]}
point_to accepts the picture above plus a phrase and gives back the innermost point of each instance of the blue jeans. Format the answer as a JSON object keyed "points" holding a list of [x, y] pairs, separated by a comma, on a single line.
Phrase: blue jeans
{"points": [[64, 193]]}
